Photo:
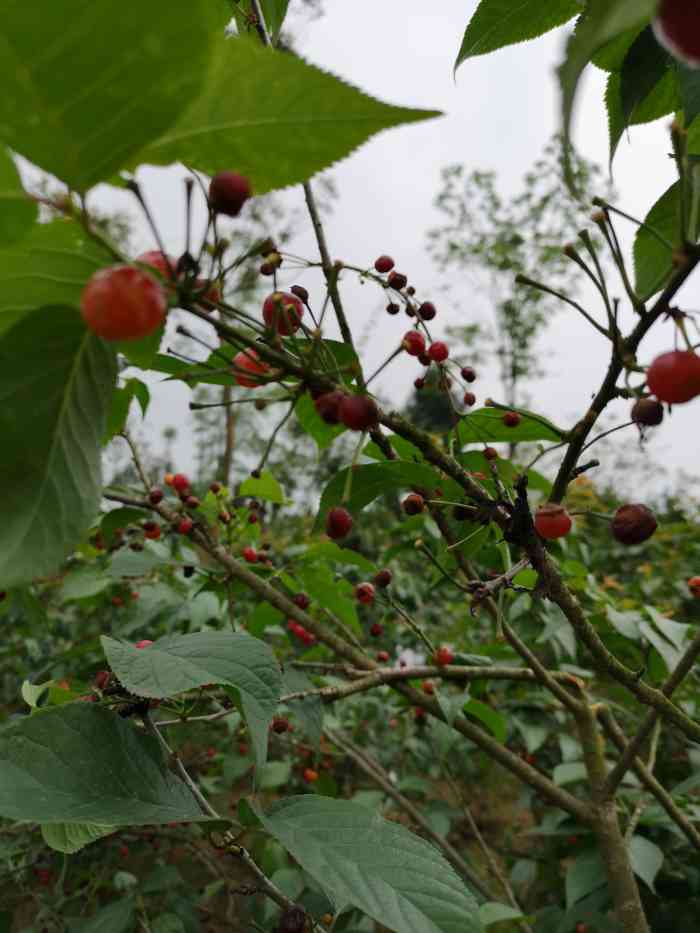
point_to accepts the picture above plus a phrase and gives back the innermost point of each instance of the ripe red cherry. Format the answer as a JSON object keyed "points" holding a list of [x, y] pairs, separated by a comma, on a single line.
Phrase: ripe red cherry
{"points": [[364, 593], [250, 555], [413, 504], [151, 530], [156, 259], [102, 678], [155, 496], [469, 398], [280, 725], [228, 192], [674, 377], [144, 643], [552, 521], [302, 601], [384, 264], [328, 406], [677, 27], [338, 523], [185, 526], [647, 411], [300, 292], [427, 311], [181, 483], [376, 630], [633, 524], [581, 928], [420, 716], [383, 578], [382, 657], [438, 351], [413, 343], [694, 586], [123, 303], [443, 656], [427, 687], [282, 312], [397, 280], [392, 308], [310, 776], [468, 374], [491, 453], [248, 361], [511, 419], [358, 412], [419, 384]]}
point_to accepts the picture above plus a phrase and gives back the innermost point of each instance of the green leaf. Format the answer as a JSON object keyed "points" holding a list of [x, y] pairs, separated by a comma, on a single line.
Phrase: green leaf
{"points": [[485, 425], [381, 868], [371, 480], [310, 420], [569, 772], [652, 258], [492, 912], [143, 351], [646, 859], [494, 721], [317, 118], [329, 551], [645, 65], [72, 837], [58, 378], [120, 87], [178, 663], [49, 266], [663, 99], [585, 875], [82, 763], [602, 21], [337, 596], [497, 23], [308, 711], [18, 213], [689, 85], [275, 774], [117, 518], [263, 487], [118, 917]]}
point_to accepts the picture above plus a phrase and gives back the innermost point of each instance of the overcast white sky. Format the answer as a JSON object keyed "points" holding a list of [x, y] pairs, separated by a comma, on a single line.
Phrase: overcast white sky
{"points": [[499, 114]]}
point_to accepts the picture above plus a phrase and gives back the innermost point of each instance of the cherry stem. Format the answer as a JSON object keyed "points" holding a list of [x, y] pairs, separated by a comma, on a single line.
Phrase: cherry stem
{"points": [[531, 283], [347, 489], [133, 186], [271, 442], [383, 366], [599, 437], [187, 333]]}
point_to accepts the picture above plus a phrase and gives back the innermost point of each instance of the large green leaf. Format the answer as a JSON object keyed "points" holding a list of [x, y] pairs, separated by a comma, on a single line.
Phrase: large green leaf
{"points": [[17, 211], [662, 99], [272, 117], [646, 859], [603, 21], [82, 763], [371, 480], [85, 86], [72, 837], [55, 391], [689, 85], [118, 917], [486, 426], [178, 663], [49, 266], [359, 859], [497, 23], [652, 256]]}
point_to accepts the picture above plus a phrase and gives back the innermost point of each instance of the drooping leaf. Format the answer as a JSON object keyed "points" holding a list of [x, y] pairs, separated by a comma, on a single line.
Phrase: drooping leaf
{"points": [[72, 837], [18, 212], [359, 859], [645, 65], [178, 663], [494, 721], [646, 859], [485, 425], [586, 874], [316, 117], [58, 378], [82, 763], [653, 253], [497, 23], [663, 99], [121, 405], [120, 87]]}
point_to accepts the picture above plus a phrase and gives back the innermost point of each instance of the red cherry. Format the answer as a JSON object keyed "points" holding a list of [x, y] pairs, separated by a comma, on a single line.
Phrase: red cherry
{"points": [[427, 687], [468, 374], [250, 555], [511, 419], [282, 313], [647, 411], [215, 488], [310, 776], [413, 504], [144, 643], [376, 629], [117, 601], [192, 502], [384, 264], [491, 453], [413, 343], [185, 526], [358, 412], [382, 657], [397, 280], [328, 406], [300, 292], [443, 656], [338, 523], [156, 259], [248, 361], [633, 524], [675, 376], [427, 311], [383, 578], [43, 875], [124, 851], [677, 27], [280, 725], [123, 303], [168, 479], [420, 715], [228, 192], [438, 351], [102, 678], [364, 593], [581, 928], [151, 531], [302, 601], [155, 496], [694, 586], [552, 521], [181, 483], [419, 383], [392, 308], [469, 398]]}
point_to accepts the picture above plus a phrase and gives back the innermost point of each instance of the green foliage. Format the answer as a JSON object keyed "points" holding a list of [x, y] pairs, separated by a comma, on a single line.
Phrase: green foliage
{"points": [[17, 213]]}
